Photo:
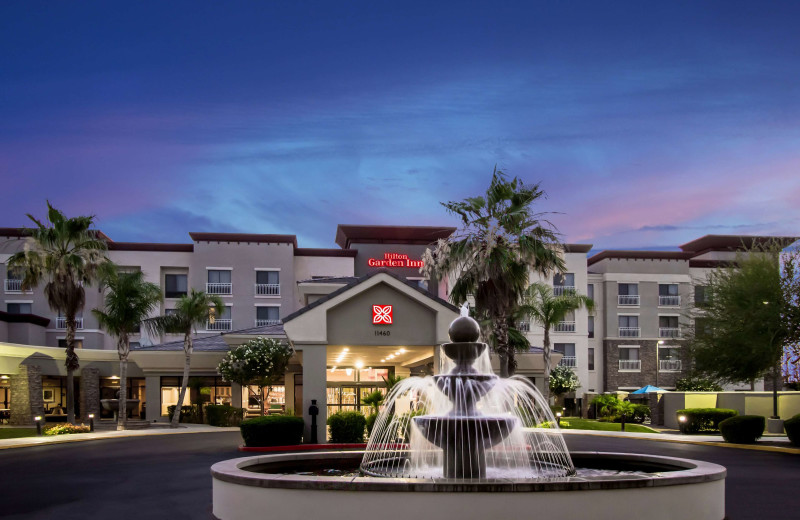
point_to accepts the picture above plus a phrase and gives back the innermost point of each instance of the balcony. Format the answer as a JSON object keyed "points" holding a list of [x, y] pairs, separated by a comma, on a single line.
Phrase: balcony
{"points": [[268, 289], [13, 286], [630, 365], [669, 301], [669, 365], [568, 361], [559, 290], [565, 326], [264, 323], [628, 300], [61, 323], [669, 332], [219, 325], [524, 326], [219, 288], [629, 332]]}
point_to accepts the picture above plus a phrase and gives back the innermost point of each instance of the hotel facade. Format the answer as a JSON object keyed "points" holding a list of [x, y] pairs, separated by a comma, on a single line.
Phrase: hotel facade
{"points": [[355, 314]]}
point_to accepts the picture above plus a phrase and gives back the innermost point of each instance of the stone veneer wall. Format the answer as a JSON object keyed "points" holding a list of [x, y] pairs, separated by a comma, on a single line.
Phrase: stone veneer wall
{"points": [[26, 395], [89, 393], [649, 375]]}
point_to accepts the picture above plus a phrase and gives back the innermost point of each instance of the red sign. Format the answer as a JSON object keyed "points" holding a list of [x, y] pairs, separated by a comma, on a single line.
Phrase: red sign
{"points": [[381, 314], [394, 260]]}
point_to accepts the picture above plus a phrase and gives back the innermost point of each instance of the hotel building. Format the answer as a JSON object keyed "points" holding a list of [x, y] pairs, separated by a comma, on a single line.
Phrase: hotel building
{"points": [[324, 301]]}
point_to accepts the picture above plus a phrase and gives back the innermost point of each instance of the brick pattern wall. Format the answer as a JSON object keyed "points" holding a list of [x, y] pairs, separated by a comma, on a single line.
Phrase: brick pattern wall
{"points": [[26, 395], [89, 393], [648, 375]]}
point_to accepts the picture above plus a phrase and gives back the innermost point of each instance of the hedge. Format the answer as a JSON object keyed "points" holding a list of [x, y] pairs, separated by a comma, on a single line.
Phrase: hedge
{"points": [[347, 427], [189, 413], [224, 415], [742, 429], [703, 419], [371, 418], [272, 430], [792, 427]]}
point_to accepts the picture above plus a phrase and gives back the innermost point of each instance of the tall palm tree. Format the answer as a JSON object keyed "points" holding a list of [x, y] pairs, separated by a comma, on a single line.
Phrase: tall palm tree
{"points": [[128, 302], [547, 310], [66, 254], [190, 311], [501, 241]]}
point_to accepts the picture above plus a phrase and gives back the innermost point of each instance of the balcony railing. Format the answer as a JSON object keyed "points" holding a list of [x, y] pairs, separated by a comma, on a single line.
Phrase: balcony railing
{"points": [[13, 285], [559, 290], [669, 332], [524, 326], [268, 289], [568, 361], [565, 326], [669, 301], [669, 365], [61, 323], [629, 332], [219, 325], [264, 323], [628, 299], [630, 365], [219, 288]]}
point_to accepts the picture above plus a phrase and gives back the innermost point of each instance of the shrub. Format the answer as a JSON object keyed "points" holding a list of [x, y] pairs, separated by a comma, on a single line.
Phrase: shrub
{"points": [[703, 419], [792, 427], [742, 429], [347, 427], [605, 404], [697, 384], [371, 418], [65, 429], [556, 409], [640, 413], [224, 415], [189, 413], [272, 430]]}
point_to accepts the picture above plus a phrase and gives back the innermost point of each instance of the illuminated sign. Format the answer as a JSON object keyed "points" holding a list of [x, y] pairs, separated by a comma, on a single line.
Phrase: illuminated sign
{"points": [[381, 314], [394, 260]]}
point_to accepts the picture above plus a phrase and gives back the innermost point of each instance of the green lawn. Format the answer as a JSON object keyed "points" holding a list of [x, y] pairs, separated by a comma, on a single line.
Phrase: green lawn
{"points": [[575, 423], [13, 433]]}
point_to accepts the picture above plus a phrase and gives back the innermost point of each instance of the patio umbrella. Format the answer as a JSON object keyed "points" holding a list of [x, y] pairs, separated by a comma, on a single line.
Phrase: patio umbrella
{"points": [[648, 389]]}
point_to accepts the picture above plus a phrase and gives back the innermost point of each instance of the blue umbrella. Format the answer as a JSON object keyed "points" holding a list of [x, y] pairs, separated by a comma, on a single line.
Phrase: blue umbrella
{"points": [[648, 389]]}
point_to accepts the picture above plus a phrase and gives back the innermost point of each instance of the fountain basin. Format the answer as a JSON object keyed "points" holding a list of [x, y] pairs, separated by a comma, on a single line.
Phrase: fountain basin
{"points": [[246, 488]]}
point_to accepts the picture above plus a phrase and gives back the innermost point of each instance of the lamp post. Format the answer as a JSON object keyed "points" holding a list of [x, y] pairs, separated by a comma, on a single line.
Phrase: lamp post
{"points": [[91, 422], [558, 418], [313, 411], [38, 420]]}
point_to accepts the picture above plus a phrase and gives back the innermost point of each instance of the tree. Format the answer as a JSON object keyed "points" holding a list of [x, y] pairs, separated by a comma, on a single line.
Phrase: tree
{"points": [[501, 241], [747, 320], [65, 254], [563, 380], [260, 361], [547, 310], [190, 311], [128, 302], [694, 383]]}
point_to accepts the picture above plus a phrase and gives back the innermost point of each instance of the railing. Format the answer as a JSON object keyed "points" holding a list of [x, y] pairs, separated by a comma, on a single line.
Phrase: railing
{"points": [[629, 332], [61, 323], [219, 325], [565, 326], [264, 323], [568, 361], [630, 365], [559, 290], [669, 332], [669, 301], [13, 285], [219, 288], [268, 289], [524, 326], [669, 365], [628, 299]]}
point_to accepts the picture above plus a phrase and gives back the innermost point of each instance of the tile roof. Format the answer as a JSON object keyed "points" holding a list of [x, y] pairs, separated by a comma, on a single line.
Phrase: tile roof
{"points": [[244, 237], [347, 234], [215, 342], [331, 279]]}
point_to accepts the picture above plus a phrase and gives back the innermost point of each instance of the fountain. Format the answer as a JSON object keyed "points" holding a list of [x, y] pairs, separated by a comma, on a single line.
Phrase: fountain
{"points": [[471, 444]]}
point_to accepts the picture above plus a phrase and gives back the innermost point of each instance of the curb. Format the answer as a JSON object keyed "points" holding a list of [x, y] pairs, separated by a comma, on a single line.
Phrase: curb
{"points": [[303, 447], [66, 439]]}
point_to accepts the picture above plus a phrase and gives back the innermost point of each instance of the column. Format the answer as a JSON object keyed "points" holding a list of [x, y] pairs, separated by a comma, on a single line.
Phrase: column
{"points": [[89, 393], [314, 387], [236, 395], [152, 396], [26, 395], [289, 386]]}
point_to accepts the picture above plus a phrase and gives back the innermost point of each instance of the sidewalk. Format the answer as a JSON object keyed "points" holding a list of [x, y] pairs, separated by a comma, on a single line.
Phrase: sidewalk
{"points": [[184, 428]]}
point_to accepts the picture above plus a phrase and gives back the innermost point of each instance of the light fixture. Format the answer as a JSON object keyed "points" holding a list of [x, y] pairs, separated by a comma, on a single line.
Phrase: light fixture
{"points": [[114, 377], [3, 377], [682, 418], [359, 364], [345, 349], [38, 420], [402, 351], [383, 361], [333, 369], [348, 371], [661, 342], [765, 303]]}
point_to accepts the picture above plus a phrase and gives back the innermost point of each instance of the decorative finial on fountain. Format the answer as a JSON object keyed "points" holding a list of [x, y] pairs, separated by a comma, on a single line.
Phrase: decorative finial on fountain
{"points": [[464, 330]]}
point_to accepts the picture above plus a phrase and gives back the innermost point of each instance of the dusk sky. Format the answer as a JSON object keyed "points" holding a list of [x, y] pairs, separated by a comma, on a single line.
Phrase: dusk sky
{"points": [[648, 124]]}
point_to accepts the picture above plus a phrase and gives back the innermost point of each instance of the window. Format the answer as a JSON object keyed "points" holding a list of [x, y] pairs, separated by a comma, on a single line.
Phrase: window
{"points": [[568, 350], [219, 282], [629, 326], [669, 359], [219, 276], [590, 291], [628, 294], [135, 345], [629, 359], [591, 326], [175, 285], [668, 295], [18, 308], [591, 358], [62, 343], [563, 282], [61, 321], [701, 327], [13, 280], [170, 312], [267, 316], [222, 321], [700, 296], [268, 283]]}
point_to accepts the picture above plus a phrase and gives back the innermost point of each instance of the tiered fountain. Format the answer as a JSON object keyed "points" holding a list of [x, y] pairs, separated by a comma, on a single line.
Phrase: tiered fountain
{"points": [[468, 444]]}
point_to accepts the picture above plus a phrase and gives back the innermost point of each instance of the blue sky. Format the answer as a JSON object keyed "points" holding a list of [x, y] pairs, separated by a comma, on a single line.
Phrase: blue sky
{"points": [[647, 124]]}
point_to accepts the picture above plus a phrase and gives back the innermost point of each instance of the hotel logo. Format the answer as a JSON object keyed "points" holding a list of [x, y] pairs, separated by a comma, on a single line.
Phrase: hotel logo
{"points": [[394, 260], [381, 314]]}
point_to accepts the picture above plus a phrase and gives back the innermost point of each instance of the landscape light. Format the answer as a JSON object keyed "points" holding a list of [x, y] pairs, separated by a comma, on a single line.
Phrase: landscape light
{"points": [[91, 422], [682, 418], [38, 420]]}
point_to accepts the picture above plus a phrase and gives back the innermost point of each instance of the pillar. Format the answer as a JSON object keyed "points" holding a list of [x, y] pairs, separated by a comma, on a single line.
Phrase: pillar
{"points": [[289, 386], [89, 393], [152, 398], [26, 395], [314, 387], [236, 395]]}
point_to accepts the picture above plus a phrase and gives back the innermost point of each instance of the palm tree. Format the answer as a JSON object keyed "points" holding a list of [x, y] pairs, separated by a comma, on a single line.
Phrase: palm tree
{"points": [[128, 302], [190, 311], [548, 310], [502, 240], [66, 254]]}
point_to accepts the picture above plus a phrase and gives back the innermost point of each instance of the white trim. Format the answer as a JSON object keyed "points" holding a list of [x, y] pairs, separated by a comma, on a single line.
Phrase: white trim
{"points": [[266, 268], [94, 331], [266, 304], [76, 337], [628, 346], [671, 315], [19, 301], [219, 268], [629, 314], [267, 296], [651, 277]]}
